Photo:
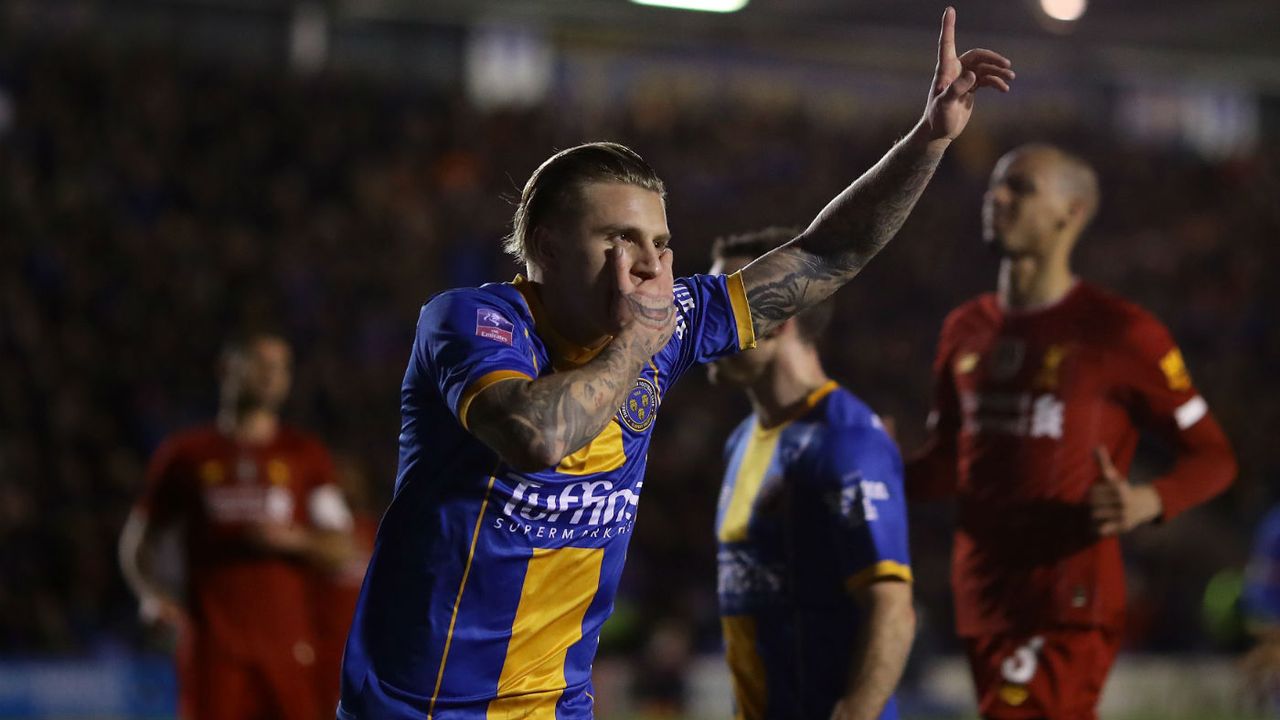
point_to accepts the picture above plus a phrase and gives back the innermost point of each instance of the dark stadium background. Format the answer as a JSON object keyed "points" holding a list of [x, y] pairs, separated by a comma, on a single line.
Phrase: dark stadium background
{"points": [[171, 171]]}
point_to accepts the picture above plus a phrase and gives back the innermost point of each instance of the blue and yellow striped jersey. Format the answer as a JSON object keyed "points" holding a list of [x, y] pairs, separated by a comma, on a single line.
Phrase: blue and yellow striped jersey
{"points": [[809, 510], [488, 586]]}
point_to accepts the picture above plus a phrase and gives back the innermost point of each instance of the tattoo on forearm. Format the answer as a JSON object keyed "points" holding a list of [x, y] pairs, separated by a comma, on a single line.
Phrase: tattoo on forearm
{"points": [[559, 413], [848, 232]]}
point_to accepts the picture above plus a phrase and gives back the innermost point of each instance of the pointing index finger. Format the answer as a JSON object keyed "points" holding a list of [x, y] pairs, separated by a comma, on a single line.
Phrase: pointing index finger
{"points": [[947, 40]]}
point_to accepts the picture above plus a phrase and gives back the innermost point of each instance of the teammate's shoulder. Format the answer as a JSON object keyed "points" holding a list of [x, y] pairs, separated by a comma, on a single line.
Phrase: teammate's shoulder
{"points": [[846, 413]]}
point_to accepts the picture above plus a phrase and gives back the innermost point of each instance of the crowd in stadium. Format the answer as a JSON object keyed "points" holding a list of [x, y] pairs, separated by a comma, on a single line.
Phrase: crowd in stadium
{"points": [[153, 206]]}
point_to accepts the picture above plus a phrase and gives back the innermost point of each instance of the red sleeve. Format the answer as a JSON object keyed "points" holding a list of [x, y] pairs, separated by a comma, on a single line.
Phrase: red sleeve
{"points": [[327, 508], [1166, 401], [166, 484], [931, 471]]}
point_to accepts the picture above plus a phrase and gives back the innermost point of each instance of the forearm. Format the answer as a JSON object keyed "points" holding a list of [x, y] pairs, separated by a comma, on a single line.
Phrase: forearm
{"points": [[878, 660], [133, 553], [844, 236], [1205, 466], [533, 425]]}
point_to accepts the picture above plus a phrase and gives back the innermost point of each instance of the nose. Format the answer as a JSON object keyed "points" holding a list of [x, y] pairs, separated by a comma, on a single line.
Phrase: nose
{"points": [[648, 261]]}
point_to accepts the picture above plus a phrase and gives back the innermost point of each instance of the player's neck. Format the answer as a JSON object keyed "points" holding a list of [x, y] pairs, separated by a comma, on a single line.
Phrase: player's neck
{"points": [[1028, 283], [255, 426], [563, 316], [783, 391]]}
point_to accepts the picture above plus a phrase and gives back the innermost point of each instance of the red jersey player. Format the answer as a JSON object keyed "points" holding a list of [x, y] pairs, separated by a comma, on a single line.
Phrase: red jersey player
{"points": [[1040, 391], [257, 507]]}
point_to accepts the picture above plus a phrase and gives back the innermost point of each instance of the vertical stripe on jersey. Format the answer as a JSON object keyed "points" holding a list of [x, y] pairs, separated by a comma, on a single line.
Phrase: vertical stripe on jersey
{"points": [[558, 588], [457, 602], [745, 665], [751, 471]]}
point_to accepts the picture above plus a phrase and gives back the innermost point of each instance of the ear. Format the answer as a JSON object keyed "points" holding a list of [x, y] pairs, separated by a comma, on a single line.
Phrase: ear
{"points": [[541, 249]]}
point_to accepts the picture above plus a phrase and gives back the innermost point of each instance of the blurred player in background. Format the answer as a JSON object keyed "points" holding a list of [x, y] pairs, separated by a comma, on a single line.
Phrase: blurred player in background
{"points": [[338, 586], [528, 406], [1261, 605], [814, 577], [1041, 389], [257, 508]]}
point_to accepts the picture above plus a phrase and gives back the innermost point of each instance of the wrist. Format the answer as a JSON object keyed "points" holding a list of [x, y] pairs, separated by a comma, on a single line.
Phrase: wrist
{"points": [[921, 136]]}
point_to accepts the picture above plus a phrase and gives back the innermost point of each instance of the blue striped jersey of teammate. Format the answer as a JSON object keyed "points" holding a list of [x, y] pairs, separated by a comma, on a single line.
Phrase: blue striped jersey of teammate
{"points": [[810, 511], [488, 586]]}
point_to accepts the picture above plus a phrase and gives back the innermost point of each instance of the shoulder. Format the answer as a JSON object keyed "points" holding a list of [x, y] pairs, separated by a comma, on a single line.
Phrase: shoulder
{"points": [[1119, 320], [501, 297], [294, 438], [970, 313], [852, 430]]}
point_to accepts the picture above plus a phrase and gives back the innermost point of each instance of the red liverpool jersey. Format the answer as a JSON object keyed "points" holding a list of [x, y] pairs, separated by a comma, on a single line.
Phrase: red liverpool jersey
{"points": [[1022, 399], [242, 600]]}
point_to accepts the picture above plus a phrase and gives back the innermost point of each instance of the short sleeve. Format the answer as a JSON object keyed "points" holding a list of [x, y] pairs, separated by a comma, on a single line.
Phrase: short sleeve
{"points": [[1157, 376], [861, 474], [164, 492], [713, 320], [469, 341]]}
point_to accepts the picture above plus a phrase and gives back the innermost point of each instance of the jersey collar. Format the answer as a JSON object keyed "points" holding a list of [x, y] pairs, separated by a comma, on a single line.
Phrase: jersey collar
{"points": [[564, 353]]}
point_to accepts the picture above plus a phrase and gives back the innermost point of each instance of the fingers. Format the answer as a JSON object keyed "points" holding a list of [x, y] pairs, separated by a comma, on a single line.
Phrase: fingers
{"points": [[947, 40], [993, 82], [961, 85], [621, 270], [983, 55], [1105, 467]]}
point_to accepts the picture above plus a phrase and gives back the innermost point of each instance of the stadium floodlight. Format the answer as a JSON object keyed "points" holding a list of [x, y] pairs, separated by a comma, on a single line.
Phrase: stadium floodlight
{"points": [[717, 6], [1064, 10]]}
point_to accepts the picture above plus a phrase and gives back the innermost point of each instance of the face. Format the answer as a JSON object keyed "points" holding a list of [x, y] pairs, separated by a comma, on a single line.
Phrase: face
{"points": [[746, 367], [260, 375], [1024, 210], [612, 217]]}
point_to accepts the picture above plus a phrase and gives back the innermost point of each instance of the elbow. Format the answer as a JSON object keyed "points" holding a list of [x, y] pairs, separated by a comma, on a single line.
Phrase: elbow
{"points": [[532, 455]]}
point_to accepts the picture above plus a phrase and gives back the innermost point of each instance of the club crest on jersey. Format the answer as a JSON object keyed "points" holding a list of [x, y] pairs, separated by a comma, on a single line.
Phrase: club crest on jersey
{"points": [[491, 324], [1006, 359], [641, 405], [1051, 367]]}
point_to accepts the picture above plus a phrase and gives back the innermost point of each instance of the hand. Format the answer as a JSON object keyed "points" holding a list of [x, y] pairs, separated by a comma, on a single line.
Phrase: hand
{"points": [[1115, 505], [957, 79], [644, 309], [160, 610]]}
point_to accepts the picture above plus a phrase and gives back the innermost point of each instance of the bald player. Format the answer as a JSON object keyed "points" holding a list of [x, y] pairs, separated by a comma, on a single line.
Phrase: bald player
{"points": [[1041, 389]]}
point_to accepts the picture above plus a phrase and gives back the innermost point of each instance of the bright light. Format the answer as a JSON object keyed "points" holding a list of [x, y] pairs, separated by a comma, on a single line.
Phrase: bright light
{"points": [[719, 6], [1064, 10]]}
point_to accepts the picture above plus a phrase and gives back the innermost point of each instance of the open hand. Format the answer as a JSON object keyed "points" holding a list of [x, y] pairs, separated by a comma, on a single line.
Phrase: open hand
{"points": [[957, 78]]}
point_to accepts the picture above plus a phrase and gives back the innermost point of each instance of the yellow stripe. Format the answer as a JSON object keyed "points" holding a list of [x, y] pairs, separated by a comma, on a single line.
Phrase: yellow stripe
{"points": [[602, 454], [880, 571], [558, 588], [656, 385], [485, 381], [745, 666], [751, 471], [741, 311], [457, 601]]}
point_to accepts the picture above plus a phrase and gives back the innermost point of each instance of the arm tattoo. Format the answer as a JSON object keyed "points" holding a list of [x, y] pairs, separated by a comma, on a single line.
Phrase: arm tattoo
{"points": [[844, 237], [534, 425]]}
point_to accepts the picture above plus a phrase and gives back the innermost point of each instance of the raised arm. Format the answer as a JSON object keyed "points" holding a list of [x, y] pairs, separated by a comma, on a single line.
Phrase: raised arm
{"points": [[534, 424], [853, 227]]}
